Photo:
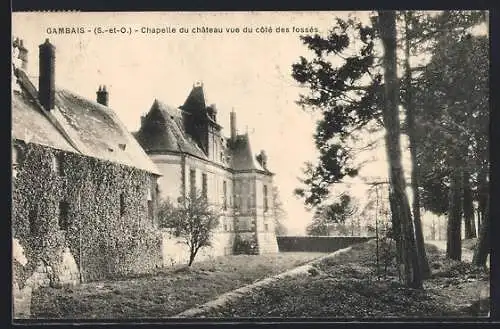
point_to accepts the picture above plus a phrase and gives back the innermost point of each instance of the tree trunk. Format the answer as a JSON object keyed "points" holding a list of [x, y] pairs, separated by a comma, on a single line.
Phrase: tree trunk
{"points": [[412, 136], [412, 277], [433, 228], [482, 186], [479, 220], [468, 208], [473, 224], [192, 255], [483, 246], [454, 238], [395, 226]]}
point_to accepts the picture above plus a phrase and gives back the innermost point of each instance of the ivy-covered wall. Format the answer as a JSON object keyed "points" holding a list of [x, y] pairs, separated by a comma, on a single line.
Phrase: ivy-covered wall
{"points": [[109, 230]]}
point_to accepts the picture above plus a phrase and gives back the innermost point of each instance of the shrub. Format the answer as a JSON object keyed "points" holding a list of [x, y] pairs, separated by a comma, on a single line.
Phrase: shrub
{"points": [[244, 246]]}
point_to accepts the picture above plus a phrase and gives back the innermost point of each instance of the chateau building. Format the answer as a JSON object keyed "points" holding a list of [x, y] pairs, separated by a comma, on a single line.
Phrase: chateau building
{"points": [[187, 146]]}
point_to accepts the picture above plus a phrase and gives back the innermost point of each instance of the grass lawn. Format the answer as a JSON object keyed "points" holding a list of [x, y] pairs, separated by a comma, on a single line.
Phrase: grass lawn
{"points": [[166, 293], [348, 286]]}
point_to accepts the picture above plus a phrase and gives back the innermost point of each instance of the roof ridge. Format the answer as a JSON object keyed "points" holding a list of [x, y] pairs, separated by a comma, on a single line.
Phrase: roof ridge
{"points": [[95, 144], [27, 85], [94, 102]]}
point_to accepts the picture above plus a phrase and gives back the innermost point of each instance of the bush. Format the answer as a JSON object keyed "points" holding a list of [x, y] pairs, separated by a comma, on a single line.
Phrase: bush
{"points": [[244, 246]]}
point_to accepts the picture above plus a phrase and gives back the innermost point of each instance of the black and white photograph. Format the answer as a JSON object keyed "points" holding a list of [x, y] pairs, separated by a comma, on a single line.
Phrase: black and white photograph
{"points": [[249, 165]]}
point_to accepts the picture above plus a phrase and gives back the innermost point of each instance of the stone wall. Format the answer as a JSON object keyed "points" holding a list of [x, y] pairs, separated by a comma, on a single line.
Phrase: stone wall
{"points": [[107, 231], [175, 252], [170, 183], [244, 214], [317, 243], [21, 299], [22, 289], [267, 242]]}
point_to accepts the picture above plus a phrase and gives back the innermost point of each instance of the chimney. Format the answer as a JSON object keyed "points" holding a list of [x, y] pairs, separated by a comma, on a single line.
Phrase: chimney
{"points": [[263, 159], [233, 125], [102, 96], [46, 79], [22, 53]]}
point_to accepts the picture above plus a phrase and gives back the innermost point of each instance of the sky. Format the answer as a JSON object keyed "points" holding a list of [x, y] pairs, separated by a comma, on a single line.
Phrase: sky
{"points": [[247, 72]]}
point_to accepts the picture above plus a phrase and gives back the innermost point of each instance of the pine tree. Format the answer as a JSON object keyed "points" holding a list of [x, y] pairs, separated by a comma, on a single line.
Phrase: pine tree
{"points": [[410, 263]]}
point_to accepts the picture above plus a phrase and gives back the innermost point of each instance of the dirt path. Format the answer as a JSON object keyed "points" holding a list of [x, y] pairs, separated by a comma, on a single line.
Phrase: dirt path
{"points": [[238, 293], [467, 254]]}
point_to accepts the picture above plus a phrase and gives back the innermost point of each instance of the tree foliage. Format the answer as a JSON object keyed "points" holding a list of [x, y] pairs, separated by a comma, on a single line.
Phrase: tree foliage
{"points": [[453, 114], [447, 98], [400, 207], [280, 214], [453, 103], [192, 219], [347, 96], [326, 216]]}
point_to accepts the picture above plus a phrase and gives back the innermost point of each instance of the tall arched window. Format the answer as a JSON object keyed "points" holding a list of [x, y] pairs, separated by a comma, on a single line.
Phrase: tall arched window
{"points": [[204, 187], [266, 204], [192, 183], [224, 191]]}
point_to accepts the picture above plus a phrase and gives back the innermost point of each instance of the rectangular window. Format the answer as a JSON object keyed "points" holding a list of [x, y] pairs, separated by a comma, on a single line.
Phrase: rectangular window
{"points": [[149, 190], [192, 183], [204, 185], [266, 227], [32, 221], [224, 190], [151, 214], [122, 204], [266, 205], [63, 215], [57, 164], [149, 194], [236, 192], [61, 164]]}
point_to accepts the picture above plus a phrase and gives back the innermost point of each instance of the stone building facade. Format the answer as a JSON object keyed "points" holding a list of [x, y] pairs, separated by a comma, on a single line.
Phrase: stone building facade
{"points": [[187, 146], [83, 190]]}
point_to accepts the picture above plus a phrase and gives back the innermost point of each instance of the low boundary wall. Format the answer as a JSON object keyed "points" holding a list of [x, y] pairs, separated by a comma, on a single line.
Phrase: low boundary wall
{"points": [[318, 243]]}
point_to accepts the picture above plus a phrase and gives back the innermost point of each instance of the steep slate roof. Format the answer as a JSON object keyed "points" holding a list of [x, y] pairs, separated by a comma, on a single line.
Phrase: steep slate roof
{"points": [[163, 130], [32, 126], [241, 155], [86, 126], [196, 102], [195, 99]]}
